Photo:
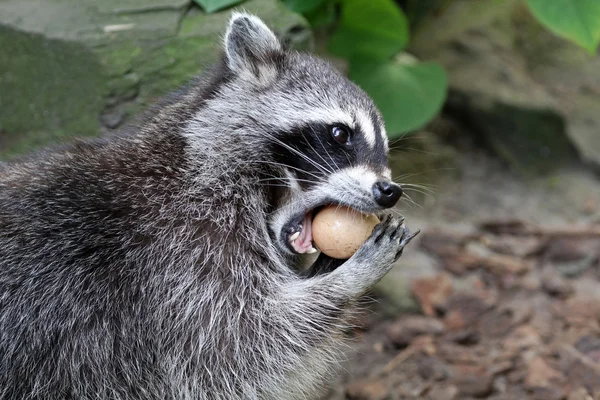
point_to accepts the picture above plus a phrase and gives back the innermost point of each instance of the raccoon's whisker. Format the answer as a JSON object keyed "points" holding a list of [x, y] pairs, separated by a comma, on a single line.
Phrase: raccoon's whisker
{"points": [[427, 188], [424, 193], [288, 147], [408, 175], [284, 180], [270, 182], [303, 156], [319, 179], [406, 136], [276, 185], [394, 145], [418, 191], [426, 185], [410, 201], [409, 198], [327, 152], [409, 149], [402, 177], [299, 153], [317, 153], [347, 158]]}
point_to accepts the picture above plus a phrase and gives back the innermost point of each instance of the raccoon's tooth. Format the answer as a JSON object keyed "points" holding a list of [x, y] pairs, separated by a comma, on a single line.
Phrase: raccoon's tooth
{"points": [[294, 236], [312, 250]]}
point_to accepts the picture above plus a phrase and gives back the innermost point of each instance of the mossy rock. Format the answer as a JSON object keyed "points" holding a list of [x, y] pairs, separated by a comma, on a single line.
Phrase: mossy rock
{"points": [[72, 68], [49, 90]]}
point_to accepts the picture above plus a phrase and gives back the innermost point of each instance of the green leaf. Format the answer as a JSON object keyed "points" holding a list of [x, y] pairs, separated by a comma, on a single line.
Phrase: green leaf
{"points": [[303, 6], [576, 20], [408, 95], [322, 16], [210, 6], [376, 29]]}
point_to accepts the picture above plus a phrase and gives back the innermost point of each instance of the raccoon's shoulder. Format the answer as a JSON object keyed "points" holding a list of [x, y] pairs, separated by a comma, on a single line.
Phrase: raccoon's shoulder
{"points": [[102, 182]]}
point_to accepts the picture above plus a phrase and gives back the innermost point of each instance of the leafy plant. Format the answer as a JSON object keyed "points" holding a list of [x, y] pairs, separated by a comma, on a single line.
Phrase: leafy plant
{"points": [[407, 92], [371, 35], [576, 20], [371, 29]]}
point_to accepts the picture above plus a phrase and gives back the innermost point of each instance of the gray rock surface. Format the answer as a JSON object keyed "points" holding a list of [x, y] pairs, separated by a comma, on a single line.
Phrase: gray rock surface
{"points": [[76, 67], [534, 98]]}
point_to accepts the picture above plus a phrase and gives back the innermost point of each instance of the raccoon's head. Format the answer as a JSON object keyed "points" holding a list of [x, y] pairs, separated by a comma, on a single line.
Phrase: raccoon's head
{"points": [[320, 136]]}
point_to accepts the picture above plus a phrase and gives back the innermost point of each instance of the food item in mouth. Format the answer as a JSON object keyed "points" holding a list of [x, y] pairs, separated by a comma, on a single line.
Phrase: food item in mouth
{"points": [[339, 231]]}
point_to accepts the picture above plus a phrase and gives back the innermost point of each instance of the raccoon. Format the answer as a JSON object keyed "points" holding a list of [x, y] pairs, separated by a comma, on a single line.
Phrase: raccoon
{"points": [[163, 262]]}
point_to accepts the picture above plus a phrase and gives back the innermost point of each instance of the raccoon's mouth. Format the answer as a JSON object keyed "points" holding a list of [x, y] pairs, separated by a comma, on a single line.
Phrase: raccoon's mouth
{"points": [[299, 234]]}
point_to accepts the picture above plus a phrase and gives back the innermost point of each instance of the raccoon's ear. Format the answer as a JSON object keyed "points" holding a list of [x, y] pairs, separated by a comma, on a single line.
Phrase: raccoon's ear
{"points": [[251, 48]]}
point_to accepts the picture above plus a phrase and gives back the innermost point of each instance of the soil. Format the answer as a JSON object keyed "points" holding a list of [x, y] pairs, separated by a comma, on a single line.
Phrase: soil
{"points": [[511, 306]]}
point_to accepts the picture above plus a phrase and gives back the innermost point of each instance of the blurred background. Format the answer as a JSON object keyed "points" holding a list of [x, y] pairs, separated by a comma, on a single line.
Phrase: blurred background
{"points": [[493, 112]]}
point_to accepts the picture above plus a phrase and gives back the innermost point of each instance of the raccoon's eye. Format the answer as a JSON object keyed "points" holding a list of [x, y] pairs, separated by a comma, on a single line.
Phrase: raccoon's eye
{"points": [[340, 134]]}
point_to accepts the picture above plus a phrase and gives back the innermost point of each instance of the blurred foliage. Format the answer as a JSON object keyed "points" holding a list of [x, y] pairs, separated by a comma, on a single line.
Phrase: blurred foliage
{"points": [[304, 6], [576, 20]]}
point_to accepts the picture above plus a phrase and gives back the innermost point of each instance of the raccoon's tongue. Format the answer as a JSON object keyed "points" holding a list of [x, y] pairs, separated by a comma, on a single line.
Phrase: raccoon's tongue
{"points": [[303, 244]]}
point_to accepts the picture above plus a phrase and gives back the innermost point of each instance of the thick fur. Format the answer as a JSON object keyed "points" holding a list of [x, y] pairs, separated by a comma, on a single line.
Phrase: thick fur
{"points": [[150, 265]]}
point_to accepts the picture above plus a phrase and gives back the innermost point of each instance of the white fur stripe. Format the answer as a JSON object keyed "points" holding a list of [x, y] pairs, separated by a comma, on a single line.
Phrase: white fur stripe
{"points": [[328, 116], [366, 126], [387, 173], [384, 136]]}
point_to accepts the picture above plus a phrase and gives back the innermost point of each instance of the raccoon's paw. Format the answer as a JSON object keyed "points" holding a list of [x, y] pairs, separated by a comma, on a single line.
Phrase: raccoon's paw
{"points": [[374, 258], [386, 243]]}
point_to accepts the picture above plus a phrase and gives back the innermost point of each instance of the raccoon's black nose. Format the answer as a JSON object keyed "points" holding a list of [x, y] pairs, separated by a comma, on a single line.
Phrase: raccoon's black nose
{"points": [[386, 193]]}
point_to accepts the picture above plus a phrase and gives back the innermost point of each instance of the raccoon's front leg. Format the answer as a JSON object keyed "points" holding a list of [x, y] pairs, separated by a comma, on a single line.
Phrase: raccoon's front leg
{"points": [[314, 310], [373, 259], [323, 265]]}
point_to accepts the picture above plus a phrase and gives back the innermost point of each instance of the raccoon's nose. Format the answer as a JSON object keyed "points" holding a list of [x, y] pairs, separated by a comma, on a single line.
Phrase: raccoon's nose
{"points": [[386, 193]]}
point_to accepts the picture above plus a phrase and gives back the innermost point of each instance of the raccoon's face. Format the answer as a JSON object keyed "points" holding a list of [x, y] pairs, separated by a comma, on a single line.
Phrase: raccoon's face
{"points": [[334, 151], [323, 135]]}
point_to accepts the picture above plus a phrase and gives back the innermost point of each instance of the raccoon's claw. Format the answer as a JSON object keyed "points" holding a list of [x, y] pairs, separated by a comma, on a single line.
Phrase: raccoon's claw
{"points": [[376, 256], [387, 241], [406, 237], [380, 228]]}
